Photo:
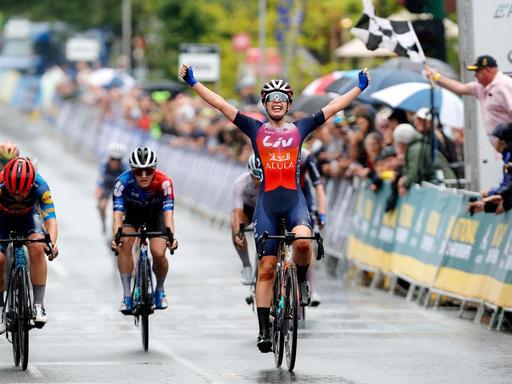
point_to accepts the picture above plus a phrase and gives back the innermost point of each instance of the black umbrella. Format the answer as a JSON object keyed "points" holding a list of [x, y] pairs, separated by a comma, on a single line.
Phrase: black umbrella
{"points": [[405, 63], [311, 103], [382, 78]]}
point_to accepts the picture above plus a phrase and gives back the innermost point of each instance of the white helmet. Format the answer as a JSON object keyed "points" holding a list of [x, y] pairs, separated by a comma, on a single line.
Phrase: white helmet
{"points": [[116, 150], [143, 157], [276, 85], [254, 166]]}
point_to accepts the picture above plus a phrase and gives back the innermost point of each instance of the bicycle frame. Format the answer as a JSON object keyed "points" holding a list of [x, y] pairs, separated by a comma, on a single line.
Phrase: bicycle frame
{"points": [[143, 304], [19, 301], [139, 305], [286, 308]]}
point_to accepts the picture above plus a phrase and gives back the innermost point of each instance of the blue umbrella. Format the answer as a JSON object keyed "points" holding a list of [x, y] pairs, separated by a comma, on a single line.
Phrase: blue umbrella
{"points": [[382, 78], [413, 96]]}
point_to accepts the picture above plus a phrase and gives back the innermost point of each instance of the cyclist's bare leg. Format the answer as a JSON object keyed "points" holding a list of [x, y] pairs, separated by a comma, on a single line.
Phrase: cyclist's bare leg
{"points": [[102, 207], [302, 257], [158, 247], [302, 248], [125, 260], [238, 216], [38, 268], [266, 273]]}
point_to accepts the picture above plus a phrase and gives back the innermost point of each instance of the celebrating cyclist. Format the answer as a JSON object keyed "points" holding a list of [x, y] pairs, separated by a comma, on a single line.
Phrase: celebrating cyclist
{"points": [[23, 194], [110, 170], [277, 145], [8, 151], [143, 195], [245, 194]]}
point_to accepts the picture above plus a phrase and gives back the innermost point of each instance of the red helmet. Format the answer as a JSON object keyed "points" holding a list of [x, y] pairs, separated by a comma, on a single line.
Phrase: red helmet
{"points": [[19, 176]]}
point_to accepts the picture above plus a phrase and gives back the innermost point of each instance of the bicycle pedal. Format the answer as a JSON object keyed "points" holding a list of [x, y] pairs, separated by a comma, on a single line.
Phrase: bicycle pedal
{"points": [[38, 325]]}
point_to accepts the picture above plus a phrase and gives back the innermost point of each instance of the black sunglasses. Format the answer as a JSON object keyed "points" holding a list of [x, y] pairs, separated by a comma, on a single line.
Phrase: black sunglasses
{"points": [[139, 171]]}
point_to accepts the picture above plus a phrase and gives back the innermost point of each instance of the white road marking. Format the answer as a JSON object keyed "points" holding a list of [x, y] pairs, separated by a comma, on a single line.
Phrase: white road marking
{"points": [[32, 369], [187, 363]]}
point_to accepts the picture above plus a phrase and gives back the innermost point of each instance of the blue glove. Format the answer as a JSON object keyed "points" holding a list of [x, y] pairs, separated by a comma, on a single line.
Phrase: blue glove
{"points": [[363, 80], [189, 77], [322, 219]]}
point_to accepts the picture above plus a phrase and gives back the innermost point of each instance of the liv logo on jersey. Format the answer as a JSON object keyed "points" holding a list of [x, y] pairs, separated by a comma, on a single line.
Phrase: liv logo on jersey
{"points": [[280, 142]]}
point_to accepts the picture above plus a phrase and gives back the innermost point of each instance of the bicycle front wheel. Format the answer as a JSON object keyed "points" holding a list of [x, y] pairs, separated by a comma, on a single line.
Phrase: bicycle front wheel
{"points": [[12, 321], [23, 315], [146, 302], [290, 317], [276, 323]]}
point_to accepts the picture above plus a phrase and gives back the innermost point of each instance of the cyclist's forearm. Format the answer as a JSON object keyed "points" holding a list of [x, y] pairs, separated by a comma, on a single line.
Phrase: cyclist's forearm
{"points": [[321, 200], [51, 227], [117, 222], [216, 101], [340, 102], [169, 220]]}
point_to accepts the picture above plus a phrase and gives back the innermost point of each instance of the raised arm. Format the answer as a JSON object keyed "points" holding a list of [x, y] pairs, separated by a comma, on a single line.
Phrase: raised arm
{"points": [[216, 101], [344, 101], [450, 84]]}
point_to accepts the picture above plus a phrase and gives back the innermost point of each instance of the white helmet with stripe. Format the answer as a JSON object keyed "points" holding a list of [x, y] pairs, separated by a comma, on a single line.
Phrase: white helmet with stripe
{"points": [[143, 157]]}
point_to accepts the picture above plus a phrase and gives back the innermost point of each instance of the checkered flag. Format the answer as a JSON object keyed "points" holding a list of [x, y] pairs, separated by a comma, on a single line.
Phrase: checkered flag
{"points": [[397, 36]]}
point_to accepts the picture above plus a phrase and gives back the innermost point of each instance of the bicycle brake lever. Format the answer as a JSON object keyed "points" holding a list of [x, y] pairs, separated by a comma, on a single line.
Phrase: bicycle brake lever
{"points": [[261, 245], [48, 241], [320, 242]]}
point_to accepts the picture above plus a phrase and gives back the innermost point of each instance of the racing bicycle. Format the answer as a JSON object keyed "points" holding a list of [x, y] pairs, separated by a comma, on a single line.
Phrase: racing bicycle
{"points": [[143, 292], [285, 309], [18, 312]]}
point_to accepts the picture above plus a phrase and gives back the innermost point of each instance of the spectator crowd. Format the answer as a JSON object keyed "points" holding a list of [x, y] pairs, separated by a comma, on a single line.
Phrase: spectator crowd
{"points": [[364, 141]]}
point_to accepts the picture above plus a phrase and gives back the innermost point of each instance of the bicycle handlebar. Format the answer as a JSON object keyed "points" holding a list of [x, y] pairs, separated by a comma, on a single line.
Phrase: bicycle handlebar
{"points": [[242, 229], [24, 240], [290, 237], [143, 234]]}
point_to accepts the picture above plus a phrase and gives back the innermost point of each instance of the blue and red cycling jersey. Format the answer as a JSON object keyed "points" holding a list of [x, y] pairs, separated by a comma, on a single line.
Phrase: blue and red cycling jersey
{"points": [[279, 148], [38, 196], [280, 194], [157, 197]]}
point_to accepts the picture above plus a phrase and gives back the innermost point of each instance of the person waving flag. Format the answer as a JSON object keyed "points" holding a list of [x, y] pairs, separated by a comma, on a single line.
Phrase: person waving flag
{"points": [[397, 36]]}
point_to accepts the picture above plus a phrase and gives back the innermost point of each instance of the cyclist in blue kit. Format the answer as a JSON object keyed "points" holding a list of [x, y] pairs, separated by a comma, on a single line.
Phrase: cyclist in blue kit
{"points": [[143, 195], [277, 145]]}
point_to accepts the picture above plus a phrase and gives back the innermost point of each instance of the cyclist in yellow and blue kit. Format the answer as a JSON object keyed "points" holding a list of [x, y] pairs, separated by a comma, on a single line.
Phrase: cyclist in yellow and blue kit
{"points": [[22, 192]]}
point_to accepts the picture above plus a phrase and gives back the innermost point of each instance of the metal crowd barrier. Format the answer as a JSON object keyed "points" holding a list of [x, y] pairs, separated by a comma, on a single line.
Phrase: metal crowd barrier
{"points": [[429, 240], [202, 181]]}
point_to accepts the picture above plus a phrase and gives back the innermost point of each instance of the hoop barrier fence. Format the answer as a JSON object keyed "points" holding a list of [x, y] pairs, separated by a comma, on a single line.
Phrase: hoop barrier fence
{"points": [[429, 240]]}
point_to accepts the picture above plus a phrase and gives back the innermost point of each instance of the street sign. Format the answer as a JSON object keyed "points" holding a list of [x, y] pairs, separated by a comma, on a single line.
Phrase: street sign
{"points": [[82, 49], [203, 58]]}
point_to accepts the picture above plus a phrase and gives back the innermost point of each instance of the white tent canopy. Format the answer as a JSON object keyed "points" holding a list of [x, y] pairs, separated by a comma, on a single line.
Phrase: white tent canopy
{"points": [[356, 48]]}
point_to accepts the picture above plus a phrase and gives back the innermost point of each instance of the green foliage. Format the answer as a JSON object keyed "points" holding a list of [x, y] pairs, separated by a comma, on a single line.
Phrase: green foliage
{"points": [[167, 23]]}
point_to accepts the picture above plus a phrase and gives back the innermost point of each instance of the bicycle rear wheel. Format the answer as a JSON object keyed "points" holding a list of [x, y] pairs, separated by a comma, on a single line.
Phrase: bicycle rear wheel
{"points": [[23, 315], [12, 321], [276, 325], [290, 317], [146, 302]]}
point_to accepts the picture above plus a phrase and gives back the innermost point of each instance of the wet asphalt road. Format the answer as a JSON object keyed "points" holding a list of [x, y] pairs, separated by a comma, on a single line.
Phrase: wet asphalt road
{"points": [[208, 333]]}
